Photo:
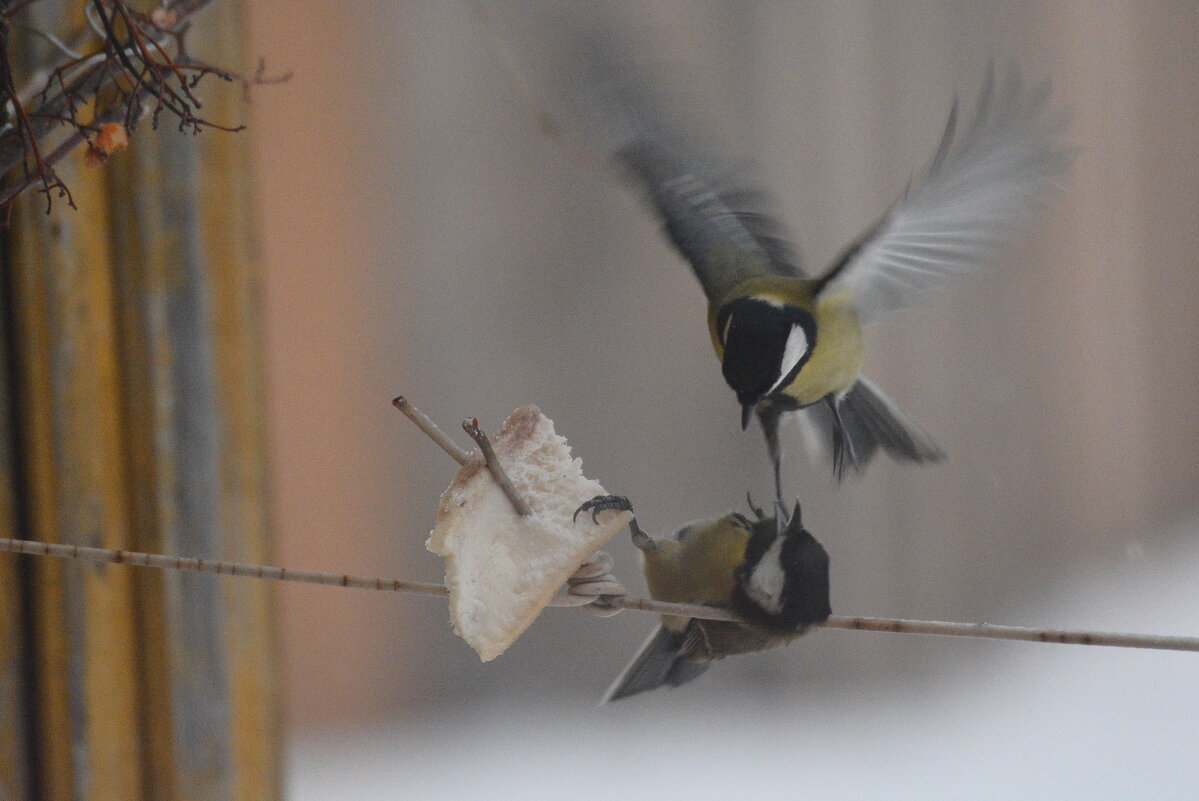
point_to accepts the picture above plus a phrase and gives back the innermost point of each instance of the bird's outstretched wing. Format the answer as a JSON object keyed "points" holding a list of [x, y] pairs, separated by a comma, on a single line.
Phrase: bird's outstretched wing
{"points": [[984, 183], [714, 209], [719, 219]]}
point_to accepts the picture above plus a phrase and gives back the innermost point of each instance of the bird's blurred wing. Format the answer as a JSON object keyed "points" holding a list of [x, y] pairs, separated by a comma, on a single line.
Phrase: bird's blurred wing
{"points": [[983, 184], [637, 114], [718, 216]]}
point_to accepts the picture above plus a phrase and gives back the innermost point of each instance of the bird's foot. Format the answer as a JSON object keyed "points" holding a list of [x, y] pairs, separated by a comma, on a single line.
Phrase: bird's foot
{"points": [[603, 503], [844, 455], [618, 503], [756, 510]]}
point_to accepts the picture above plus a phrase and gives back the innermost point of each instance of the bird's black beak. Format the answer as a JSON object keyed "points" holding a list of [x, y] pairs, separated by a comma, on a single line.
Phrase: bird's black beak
{"points": [[747, 411]]}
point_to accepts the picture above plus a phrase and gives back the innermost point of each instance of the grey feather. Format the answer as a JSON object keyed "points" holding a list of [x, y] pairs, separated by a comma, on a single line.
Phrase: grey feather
{"points": [[660, 661], [714, 209], [716, 639], [871, 422], [724, 225], [983, 184]]}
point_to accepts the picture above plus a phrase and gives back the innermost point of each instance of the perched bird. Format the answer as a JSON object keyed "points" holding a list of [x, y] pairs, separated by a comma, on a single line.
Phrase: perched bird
{"points": [[788, 340], [770, 572]]}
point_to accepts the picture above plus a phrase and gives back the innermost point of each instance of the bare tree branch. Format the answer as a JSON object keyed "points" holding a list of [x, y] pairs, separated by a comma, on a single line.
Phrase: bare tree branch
{"points": [[134, 64]]}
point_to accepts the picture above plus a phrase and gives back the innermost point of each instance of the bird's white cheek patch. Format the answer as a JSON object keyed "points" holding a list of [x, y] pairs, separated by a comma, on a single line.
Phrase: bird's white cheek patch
{"points": [[793, 351], [768, 579]]}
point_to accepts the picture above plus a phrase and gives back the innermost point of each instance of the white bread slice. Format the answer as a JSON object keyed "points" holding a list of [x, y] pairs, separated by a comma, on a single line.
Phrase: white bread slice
{"points": [[502, 569]]}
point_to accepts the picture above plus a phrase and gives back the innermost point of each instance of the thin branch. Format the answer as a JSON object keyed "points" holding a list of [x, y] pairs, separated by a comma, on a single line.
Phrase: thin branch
{"points": [[471, 427], [137, 76], [27, 136], [62, 46], [58, 154], [191, 565], [38, 84], [121, 74], [431, 430], [894, 625], [991, 631]]}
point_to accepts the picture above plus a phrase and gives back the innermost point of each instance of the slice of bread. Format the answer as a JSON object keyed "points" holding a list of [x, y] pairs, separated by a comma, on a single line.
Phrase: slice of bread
{"points": [[502, 569]]}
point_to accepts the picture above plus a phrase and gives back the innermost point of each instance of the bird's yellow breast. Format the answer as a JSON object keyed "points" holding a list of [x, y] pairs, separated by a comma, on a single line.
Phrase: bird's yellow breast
{"points": [[696, 568], [836, 358]]}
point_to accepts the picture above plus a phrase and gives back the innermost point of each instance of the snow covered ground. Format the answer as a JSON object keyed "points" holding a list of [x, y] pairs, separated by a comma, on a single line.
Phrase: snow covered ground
{"points": [[1041, 721]]}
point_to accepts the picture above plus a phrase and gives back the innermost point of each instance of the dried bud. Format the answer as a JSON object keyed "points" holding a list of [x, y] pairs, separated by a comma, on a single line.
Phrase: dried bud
{"points": [[163, 18], [93, 157], [112, 137]]}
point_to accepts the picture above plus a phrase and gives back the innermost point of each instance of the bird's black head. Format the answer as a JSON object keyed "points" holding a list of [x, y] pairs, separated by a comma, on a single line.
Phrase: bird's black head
{"points": [[782, 583], [766, 343]]}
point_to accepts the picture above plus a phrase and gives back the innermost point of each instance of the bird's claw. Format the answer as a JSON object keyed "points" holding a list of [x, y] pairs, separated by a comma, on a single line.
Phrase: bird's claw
{"points": [[603, 503], [844, 455], [756, 510]]}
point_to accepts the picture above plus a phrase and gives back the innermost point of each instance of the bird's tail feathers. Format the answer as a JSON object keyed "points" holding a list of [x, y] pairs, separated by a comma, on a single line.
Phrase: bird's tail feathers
{"points": [[869, 421], [660, 661]]}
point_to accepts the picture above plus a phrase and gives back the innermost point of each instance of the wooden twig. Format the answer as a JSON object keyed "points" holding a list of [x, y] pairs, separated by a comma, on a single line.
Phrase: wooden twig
{"points": [[431, 430], [990, 631], [1159, 642], [26, 135], [192, 565], [471, 427], [49, 160]]}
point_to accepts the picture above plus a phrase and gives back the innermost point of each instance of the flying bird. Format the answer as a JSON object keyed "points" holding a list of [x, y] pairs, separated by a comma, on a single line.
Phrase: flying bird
{"points": [[787, 339]]}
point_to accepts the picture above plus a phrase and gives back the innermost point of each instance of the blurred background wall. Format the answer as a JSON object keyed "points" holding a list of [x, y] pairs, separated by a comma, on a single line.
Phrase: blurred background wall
{"points": [[421, 236]]}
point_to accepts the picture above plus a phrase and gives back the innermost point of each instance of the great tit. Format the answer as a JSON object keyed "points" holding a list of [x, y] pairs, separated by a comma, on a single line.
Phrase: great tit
{"points": [[769, 571], [788, 340]]}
